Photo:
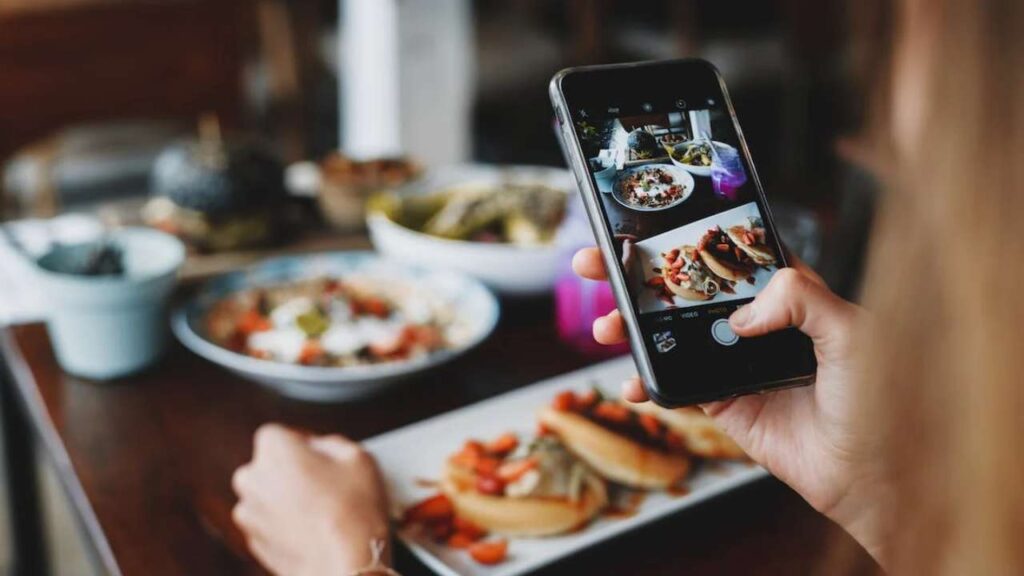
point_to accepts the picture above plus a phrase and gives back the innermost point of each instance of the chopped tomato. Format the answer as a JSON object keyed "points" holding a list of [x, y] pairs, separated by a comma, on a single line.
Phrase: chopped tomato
{"points": [[470, 454], [253, 321], [490, 484], [512, 471], [434, 509], [440, 531], [460, 540], [612, 412], [466, 527], [375, 306], [673, 441], [487, 465], [489, 553], [650, 425], [311, 351], [503, 444], [542, 430], [427, 336], [564, 401]]}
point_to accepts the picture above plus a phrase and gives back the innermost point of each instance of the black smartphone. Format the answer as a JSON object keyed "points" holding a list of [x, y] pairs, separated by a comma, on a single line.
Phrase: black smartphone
{"points": [[683, 224]]}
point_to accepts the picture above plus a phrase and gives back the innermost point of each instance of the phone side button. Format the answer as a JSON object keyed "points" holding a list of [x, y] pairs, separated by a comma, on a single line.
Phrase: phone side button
{"points": [[722, 332]]}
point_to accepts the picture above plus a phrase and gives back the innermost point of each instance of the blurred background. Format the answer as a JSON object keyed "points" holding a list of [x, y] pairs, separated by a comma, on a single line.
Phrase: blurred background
{"points": [[94, 90]]}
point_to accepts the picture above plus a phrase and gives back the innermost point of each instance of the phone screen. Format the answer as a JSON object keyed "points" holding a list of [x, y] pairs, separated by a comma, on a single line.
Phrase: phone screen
{"points": [[683, 208]]}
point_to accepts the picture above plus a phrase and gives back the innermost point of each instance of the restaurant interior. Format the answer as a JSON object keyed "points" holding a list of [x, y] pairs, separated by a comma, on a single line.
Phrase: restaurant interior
{"points": [[251, 153]]}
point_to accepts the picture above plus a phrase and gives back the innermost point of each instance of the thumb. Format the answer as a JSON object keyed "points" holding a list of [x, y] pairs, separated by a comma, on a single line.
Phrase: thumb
{"points": [[794, 299]]}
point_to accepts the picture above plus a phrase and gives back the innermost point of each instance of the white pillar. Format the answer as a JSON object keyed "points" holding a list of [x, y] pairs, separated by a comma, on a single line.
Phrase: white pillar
{"points": [[407, 79]]}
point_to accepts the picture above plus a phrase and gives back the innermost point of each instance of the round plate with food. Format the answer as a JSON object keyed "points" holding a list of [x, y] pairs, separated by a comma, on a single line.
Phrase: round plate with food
{"points": [[652, 187], [334, 326]]}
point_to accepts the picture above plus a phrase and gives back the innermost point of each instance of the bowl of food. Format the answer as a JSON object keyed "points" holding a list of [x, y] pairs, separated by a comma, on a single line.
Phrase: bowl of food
{"points": [[335, 326], [501, 225], [652, 187], [695, 156]]}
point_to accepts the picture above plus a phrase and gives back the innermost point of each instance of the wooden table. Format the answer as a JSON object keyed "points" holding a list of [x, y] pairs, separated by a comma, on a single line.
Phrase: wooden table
{"points": [[147, 462]]}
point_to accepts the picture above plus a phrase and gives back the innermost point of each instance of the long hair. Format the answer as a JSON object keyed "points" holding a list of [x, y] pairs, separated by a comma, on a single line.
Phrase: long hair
{"points": [[944, 357]]}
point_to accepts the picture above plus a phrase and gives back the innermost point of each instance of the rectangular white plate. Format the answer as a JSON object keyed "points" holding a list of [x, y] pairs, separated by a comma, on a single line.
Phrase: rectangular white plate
{"points": [[417, 452]]}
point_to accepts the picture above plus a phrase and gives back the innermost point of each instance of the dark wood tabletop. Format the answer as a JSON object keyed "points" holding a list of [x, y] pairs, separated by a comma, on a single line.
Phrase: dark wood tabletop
{"points": [[147, 461]]}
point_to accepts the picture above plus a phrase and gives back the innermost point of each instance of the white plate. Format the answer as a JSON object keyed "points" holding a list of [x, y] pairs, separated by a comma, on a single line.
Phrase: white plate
{"points": [[649, 257], [681, 177], [417, 452], [476, 315]]}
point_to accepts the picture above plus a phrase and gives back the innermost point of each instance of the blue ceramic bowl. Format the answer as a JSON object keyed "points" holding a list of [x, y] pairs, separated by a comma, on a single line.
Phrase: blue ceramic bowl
{"points": [[475, 307]]}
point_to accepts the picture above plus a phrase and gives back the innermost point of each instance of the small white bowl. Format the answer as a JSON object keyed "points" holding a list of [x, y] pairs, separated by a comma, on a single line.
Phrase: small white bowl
{"points": [[508, 269], [106, 327], [695, 170]]}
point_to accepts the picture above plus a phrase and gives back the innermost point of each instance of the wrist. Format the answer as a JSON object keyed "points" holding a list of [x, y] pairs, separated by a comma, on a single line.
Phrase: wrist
{"points": [[865, 513], [352, 548]]}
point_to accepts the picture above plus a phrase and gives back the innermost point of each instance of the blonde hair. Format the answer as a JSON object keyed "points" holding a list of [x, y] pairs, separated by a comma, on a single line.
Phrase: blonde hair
{"points": [[945, 285]]}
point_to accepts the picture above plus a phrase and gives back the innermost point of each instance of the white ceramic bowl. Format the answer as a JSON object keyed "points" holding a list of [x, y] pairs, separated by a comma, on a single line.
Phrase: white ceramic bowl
{"points": [[105, 327], [476, 311], [695, 170], [510, 270]]}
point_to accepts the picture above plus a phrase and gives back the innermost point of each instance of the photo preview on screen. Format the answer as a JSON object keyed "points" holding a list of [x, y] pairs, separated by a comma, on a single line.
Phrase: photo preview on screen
{"points": [[686, 216]]}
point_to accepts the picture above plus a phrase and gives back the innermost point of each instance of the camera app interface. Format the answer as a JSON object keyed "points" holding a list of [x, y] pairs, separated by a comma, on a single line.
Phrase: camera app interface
{"points": [[687, 221]]}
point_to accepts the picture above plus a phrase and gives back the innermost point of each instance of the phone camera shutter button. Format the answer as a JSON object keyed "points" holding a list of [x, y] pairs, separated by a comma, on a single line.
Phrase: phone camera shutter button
{"points": [[722, 332]]}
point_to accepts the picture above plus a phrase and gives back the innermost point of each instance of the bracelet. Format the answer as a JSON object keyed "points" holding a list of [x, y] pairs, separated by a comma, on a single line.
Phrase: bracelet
{"points": [[376, 567]]}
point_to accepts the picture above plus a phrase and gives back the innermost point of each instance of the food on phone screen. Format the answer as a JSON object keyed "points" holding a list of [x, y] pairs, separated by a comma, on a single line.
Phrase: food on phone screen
{"points": [[624, 446], [684, 274], [332, 322], [642, 145], [534, 489], [655, 186], [693, 155], [751, 239], [724, 257]]}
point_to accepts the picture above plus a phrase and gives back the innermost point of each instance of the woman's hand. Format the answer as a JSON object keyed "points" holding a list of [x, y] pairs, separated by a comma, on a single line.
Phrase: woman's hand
{"points": [[812, 437], [309, 505]]}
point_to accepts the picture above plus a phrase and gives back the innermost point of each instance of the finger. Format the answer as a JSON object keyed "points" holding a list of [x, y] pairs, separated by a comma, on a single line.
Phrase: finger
{"points": [[791, 298], [263, 551], [633, 390], [610, 329], [589, 264], [713, 409], [275, 437], [244, 516], [241, 480], [338, 448]]}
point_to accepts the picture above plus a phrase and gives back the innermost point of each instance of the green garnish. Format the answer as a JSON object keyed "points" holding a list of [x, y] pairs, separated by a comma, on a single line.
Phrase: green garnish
{"points": [[313, 323]]}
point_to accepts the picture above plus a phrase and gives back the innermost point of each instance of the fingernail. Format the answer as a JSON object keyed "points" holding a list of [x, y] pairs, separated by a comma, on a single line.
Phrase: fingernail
{"points": [[625, 387], [742, 316]]}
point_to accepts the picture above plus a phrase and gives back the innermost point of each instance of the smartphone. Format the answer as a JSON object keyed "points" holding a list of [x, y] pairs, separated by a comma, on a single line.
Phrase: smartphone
{"points": [[683, 224]]}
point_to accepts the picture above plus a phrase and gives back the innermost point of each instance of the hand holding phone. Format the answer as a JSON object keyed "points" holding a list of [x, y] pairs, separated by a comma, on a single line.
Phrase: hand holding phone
{"points": [[684, 228]]}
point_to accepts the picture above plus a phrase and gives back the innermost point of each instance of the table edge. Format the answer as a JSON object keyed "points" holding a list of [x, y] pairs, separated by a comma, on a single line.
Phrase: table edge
{"points": [[27, 391]]}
